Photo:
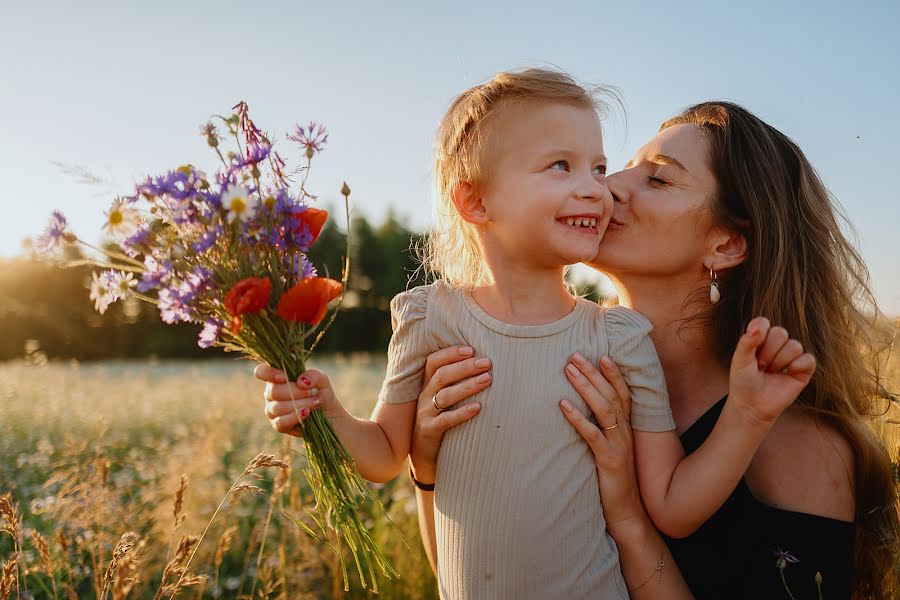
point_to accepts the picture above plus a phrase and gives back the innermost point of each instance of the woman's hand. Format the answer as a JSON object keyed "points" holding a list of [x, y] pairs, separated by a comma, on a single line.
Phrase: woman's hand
{"points": [[451, 375], [647, 565], [608, 397]]}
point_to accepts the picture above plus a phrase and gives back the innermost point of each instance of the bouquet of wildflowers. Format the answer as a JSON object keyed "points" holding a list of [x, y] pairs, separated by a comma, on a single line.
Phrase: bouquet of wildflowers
{"points": [[228, 252]]}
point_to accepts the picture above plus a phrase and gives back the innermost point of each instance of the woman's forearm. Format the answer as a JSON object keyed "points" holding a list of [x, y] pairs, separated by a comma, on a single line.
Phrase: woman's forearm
{"points": [[647, 565], [425, 503]]}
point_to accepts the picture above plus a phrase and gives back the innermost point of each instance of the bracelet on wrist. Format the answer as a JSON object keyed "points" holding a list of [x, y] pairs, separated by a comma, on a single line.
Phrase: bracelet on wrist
{"points": [[425, 487]]}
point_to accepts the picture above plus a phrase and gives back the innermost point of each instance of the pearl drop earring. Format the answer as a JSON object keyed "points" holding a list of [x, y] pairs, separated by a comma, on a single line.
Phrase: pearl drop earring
{"points": [[714, 295]]}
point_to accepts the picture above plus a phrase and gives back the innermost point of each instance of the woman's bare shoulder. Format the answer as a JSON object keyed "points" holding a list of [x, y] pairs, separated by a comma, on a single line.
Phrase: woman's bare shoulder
{"points": [[805, 466]]}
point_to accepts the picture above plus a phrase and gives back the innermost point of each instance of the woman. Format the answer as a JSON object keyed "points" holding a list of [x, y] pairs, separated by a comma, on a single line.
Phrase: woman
{"points": [[719, 218]]}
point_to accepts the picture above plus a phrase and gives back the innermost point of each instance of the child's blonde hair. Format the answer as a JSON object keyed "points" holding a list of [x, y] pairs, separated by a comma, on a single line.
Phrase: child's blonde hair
{"points": [[453, 250]]}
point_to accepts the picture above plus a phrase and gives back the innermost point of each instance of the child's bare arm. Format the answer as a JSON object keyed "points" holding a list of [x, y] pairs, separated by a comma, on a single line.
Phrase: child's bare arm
{"points": [[768, 372], [378, 446]]}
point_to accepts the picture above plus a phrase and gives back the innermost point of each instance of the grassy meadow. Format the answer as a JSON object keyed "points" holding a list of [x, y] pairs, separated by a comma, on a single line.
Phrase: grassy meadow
{"points": [[115, 468], [94, 451]]}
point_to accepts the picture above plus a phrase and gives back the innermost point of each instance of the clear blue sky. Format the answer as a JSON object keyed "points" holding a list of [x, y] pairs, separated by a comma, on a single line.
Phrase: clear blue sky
{"points": [[121, 87]]}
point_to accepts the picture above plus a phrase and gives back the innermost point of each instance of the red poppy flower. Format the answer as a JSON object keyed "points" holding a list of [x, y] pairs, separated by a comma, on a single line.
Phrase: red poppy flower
{"points": [[307, 302], [314, 219], [249, 295]]}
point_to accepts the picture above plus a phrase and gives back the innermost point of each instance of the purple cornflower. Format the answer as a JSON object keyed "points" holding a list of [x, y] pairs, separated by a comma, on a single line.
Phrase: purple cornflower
{"points": [[195, 282], [136, 243], [256, 153], [300, 267], [207, 239], [172, 308], [155, 274], [312, 137], [783, 558], [210, 334], [54, 235]]}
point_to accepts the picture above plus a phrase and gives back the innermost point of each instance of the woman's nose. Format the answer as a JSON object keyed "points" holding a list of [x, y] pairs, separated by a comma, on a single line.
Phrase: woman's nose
{"points": [[617, 186]]}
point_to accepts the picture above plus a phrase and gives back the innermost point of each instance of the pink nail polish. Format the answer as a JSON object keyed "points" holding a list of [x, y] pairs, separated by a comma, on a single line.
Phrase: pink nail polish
{"points": [[306, 381], [304, 412]]}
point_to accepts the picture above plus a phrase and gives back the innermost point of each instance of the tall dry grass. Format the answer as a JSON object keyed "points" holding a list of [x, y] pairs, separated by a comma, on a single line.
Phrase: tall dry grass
{"points": [[116, 470]]}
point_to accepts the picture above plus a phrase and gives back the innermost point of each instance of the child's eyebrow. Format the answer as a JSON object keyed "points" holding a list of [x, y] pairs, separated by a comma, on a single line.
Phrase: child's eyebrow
{"points": [[560, 151]]}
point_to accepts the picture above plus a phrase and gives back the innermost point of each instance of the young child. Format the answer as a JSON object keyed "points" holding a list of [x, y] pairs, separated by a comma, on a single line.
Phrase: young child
{"points": [[521, 168]]}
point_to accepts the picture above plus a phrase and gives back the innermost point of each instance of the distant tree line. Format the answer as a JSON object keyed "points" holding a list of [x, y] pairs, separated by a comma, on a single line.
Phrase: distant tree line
{"points": [[45, 309]]}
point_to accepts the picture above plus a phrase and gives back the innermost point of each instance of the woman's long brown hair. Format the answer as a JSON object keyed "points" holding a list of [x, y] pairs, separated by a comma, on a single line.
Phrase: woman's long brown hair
{"points": [[803, 273]]}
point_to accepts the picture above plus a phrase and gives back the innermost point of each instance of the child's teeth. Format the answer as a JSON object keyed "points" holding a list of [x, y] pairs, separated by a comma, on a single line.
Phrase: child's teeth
{"points": [[570, 221]]}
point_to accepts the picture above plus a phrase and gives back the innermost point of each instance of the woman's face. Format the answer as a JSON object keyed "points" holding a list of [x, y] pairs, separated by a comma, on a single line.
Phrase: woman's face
{"points": [[661, 219]]}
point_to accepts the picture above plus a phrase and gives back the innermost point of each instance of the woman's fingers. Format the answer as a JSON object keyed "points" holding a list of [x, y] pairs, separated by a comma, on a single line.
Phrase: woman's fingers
{"points": [[593, 375], [451, 418], [614, 376], [599, 404], [269, 374], [446, 356], [452, 374], [450, 396], [590, 432]]}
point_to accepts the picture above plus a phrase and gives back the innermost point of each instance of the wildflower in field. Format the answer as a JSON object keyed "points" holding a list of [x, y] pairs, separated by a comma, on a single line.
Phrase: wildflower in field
{"points": [[156, 273], [54, 234], [311, 221], [121, 221], [137, 242], [208, 130], [249, 295], [312, 137], [100, 292], [122, 283], [212, 328], [172, 307], [238, 202], [211, 249], [307, 302], [783, 558], [207, 239], [300, 267], [256, 153]]}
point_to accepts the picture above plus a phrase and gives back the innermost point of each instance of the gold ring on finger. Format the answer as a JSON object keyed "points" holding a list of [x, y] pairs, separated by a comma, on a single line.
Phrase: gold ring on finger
{"points": [[436, 405], [610, 427]]}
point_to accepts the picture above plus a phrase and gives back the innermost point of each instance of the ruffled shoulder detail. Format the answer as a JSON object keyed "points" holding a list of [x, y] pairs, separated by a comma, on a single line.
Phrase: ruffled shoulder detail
{"points": [[410, 305], [624, 322]]}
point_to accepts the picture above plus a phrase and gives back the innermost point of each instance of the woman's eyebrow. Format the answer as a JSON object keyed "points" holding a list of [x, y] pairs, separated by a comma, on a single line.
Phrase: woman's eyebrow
{"points": [[659, 159], [662, 159]]}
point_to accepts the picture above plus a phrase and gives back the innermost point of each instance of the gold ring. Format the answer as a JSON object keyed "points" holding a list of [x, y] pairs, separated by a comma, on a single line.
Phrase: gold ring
{"points": [[436, 405], [611, 427]]}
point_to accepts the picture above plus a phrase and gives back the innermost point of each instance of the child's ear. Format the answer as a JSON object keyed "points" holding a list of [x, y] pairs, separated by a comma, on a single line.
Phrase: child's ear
{"points": [[468, 202]]}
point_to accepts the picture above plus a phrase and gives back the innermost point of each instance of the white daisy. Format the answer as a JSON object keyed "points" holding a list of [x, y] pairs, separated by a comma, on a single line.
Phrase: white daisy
{"points": [[122, 283], [100, 293], [121, 221], [238, 202]]}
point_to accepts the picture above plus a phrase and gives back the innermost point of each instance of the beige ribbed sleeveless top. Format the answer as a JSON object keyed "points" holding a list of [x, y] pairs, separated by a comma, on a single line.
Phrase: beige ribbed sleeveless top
{"points": [[517, 506]]}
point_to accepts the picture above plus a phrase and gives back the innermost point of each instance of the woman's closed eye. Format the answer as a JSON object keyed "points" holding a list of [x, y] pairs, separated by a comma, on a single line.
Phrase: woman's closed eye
{"points": [[658, 181]]}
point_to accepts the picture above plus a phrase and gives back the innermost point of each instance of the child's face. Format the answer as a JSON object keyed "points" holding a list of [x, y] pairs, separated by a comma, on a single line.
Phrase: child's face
{"points": [[546, 197]]}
